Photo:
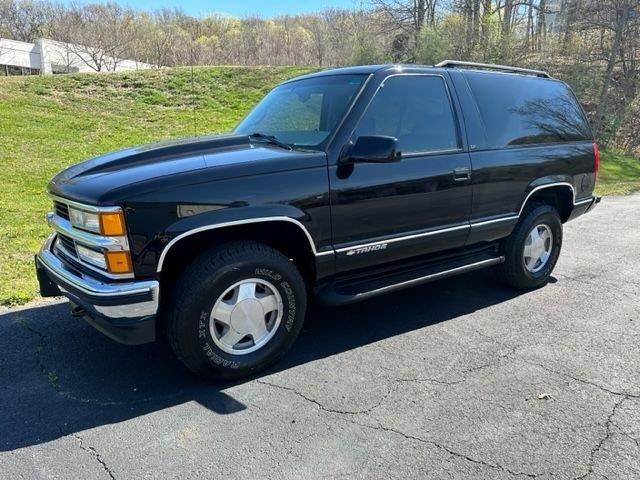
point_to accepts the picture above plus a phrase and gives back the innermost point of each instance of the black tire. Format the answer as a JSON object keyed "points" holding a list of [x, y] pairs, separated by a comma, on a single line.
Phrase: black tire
{"points": [[204, 280], [513, 271]]}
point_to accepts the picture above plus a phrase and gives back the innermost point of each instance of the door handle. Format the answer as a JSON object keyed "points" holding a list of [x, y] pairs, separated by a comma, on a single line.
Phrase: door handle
{"points": [[461, 174]]}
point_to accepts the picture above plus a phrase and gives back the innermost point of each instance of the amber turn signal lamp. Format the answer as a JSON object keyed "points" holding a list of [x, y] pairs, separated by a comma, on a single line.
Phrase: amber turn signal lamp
{"points": [[118, 262], [112, 224]]}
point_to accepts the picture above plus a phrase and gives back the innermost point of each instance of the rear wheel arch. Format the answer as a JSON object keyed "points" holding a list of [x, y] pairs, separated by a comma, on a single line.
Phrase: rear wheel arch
{"points": [[560, 196]]}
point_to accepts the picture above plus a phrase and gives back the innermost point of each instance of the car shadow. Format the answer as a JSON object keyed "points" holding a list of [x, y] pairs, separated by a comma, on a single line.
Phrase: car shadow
{"points": [[59, 376]]}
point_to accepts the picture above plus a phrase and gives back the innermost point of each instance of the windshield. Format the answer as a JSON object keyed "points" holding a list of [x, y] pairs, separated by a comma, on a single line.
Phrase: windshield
{"points": [[305, 112]]}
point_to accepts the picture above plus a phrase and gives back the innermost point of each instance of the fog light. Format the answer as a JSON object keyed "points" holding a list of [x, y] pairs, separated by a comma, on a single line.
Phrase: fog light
{"points": [[118, 262], [91, 256]]}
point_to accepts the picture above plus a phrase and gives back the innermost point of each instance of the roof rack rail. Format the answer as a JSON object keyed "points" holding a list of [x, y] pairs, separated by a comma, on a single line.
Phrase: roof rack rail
{"points": [[489, 66]]}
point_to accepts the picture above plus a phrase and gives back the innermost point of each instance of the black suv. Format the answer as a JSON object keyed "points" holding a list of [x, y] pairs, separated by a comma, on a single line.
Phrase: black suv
{"points": [[342, 184]]}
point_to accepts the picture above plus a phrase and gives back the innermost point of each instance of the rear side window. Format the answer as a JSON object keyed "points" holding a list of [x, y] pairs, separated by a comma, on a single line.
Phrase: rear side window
{"points": [[519, 110], [416, 110]]}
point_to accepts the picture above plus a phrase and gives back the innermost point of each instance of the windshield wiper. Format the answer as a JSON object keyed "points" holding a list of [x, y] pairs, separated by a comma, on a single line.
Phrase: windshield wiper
{"points": [[272, 140]]}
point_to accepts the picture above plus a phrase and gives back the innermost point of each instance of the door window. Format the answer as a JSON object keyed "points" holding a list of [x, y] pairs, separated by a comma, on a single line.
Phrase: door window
{"points": [[416, 110]]}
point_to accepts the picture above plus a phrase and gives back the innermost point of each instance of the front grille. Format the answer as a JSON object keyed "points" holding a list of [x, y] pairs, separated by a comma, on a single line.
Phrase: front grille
{"points": [[68, 244], [61, 209]]}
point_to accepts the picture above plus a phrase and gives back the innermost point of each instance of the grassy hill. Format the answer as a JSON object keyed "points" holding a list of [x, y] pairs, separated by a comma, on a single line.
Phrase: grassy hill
{"points": [[48, 123]]}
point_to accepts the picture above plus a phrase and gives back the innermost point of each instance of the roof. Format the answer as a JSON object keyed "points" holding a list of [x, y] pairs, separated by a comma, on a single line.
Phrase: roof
{"points": [[447, 65], [357, 70], [363, 70]]}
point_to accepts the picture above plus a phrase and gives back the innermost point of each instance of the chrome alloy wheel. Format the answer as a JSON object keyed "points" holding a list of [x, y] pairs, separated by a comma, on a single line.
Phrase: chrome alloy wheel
{"points": [[537, 248], [246, 316]]}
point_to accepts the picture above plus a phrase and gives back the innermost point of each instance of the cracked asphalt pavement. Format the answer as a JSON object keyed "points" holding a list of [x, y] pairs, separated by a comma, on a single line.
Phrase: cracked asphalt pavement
{"points": [[456, 379]]}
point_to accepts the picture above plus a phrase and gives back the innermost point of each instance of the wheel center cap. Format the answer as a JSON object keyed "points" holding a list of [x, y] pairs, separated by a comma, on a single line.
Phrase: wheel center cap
{"points": [[245, 315]]}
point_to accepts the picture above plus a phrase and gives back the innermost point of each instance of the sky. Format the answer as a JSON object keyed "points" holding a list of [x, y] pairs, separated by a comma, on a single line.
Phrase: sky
{"points": [[262, 8]]}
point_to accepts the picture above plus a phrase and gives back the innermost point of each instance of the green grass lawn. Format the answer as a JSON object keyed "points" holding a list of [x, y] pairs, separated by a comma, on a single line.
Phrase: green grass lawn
{"points": [[48, 123], [619, 174]]}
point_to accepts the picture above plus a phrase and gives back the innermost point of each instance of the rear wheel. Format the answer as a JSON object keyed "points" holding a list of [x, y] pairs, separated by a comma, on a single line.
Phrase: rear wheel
{"points": [[237, 310], [532, 249]]}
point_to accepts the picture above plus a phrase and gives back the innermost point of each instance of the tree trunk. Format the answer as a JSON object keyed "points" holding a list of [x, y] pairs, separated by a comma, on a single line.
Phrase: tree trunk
{"points": [[529, 36], [431, 14], [622, 14], [541, 25], [419, 11], [486, 13], [467, 15], [476, 21], [506, 18], [570, 6]]}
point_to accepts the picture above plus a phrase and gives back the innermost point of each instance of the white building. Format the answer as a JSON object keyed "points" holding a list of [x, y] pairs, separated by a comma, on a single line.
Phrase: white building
{"points": [[49, 56]]}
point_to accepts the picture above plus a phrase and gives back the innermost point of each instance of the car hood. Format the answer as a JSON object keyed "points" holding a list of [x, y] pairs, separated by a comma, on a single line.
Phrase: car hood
{"points": [[114, 177]]}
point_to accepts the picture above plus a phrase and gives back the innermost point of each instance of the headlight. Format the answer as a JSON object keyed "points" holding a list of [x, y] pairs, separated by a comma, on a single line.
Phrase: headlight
{"points": [[108, 223], [84, 220]]}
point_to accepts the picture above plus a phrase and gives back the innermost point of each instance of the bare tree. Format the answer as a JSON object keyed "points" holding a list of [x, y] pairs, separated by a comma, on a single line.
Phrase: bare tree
{"points": [[319, 32], [614, 17], [407, 16], [24, 20], [155, 38], [98, 35]]}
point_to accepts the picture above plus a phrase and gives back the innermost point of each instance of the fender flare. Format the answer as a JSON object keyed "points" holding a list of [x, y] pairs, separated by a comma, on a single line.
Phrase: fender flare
{"points": [[246, 221], [549, 185]]}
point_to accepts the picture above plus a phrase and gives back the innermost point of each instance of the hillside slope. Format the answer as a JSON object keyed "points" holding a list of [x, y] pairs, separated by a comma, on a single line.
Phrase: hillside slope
{"points": [[48, 123]]}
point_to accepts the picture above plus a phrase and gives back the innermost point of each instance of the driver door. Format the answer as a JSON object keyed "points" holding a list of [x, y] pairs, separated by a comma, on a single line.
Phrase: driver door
{"points": [[383, 212]]}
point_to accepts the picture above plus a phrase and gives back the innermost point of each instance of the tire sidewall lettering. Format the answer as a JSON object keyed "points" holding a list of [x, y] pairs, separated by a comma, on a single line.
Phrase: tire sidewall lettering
{"points": [[288, 292], [203, 325]]}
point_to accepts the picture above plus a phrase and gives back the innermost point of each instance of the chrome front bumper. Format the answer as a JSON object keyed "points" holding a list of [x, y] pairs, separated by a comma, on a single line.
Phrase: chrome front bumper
{"points": [[123, 310]]}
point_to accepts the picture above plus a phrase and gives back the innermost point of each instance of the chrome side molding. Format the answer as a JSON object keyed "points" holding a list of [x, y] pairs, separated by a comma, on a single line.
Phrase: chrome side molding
{"points": [[548, 185], [247, 221]]}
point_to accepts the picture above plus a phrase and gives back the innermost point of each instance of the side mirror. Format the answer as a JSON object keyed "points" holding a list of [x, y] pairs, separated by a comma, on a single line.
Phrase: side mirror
{"points": [[374, 149]]}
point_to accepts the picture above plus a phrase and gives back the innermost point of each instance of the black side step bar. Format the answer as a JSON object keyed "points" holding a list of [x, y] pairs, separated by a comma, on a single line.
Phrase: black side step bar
{"points": [[341, 293]]}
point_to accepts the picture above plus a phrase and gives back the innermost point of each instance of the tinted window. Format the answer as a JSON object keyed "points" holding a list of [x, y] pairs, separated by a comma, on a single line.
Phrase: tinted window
{"points": [[416, 110], [303, 112], [519, 110]]}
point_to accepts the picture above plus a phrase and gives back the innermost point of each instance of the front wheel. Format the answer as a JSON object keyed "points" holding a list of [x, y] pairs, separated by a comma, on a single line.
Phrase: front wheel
{"points": [[532, 249], [238, 308]]}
